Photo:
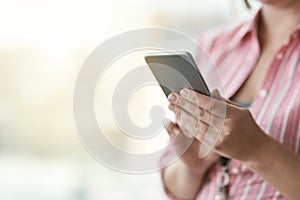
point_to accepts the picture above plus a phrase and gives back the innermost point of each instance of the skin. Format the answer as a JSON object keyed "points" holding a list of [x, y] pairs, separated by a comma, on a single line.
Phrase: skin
{"points": [[194, 112]]}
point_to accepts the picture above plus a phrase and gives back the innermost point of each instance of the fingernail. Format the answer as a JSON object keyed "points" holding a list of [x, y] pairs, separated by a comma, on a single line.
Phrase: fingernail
{"points": [[184, 93], [172, 97]]}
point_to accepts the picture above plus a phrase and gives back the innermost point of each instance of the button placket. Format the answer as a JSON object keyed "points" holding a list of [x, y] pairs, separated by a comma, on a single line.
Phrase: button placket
{"points": [[295, 35], [263, 93], [279, 56], [235, 171]]}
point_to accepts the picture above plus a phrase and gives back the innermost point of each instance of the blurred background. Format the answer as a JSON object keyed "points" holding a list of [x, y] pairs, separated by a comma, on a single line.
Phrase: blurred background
{"points": [[42, 47]]}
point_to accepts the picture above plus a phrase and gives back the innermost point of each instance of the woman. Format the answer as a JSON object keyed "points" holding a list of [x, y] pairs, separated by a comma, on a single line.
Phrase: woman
{"points": [[259, 62]]}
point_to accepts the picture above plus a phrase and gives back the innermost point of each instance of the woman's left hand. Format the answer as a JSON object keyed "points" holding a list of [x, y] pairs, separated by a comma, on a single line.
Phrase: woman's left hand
{"points": [[238, 135]]}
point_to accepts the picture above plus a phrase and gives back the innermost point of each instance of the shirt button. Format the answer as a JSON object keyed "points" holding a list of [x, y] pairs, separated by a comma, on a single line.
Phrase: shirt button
{"points": [[262, 93], [244, 168], [235, 170], [279, 56], [218, 197]]}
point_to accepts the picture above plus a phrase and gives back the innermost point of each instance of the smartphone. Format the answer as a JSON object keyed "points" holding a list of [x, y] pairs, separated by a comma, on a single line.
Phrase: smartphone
{"points": [[166, 66]]}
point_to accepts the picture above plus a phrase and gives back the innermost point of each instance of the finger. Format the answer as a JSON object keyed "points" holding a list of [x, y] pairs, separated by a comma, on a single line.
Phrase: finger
{"points": [[184, 120], [178, 140], [198, 128], [171, 128], [177, 118], [231, 107], [200, 131], [193, 125], [216, 94], [190, 107], [200, 100], [181, 143], [194, 115], [172, 97], [214, 106]]}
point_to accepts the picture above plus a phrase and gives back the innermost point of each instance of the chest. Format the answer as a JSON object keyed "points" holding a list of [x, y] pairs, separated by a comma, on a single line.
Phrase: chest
{"points": [[271, 82], [252, 84]]}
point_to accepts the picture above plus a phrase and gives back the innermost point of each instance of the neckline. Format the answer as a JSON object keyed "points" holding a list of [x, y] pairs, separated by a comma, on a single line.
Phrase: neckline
{"points": [[246, 104]]}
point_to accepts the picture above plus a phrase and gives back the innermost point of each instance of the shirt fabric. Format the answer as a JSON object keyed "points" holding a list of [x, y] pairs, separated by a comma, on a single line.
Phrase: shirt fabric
{"points": [[276, 108]]}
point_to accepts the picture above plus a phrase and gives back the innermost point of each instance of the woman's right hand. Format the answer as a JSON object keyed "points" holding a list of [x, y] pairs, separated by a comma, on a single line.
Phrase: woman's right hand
{"points": [[189, 168], [190, 157]]}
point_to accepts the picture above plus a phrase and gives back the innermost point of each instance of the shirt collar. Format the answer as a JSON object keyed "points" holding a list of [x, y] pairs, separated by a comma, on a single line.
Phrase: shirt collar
{"points": [[250, 26]]}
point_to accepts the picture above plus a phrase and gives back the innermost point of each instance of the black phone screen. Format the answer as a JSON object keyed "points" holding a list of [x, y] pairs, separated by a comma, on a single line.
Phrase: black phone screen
{"points": [[176, 71]]}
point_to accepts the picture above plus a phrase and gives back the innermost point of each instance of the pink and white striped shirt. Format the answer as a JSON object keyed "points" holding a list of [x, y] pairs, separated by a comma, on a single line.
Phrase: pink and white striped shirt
{"points": [[276, 108]]}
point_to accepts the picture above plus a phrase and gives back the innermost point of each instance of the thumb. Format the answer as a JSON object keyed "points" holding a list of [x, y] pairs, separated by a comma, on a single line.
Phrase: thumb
{"points": [[216, 94], [171, 128]]}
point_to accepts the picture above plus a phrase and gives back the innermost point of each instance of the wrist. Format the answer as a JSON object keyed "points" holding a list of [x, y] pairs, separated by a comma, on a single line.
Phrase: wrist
{"points": [[196, 170], [258, 154], [176, 177]]}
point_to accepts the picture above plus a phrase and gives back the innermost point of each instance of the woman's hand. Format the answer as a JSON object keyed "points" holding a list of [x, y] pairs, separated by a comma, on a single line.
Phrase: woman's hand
{"points": [[235, 132], [184, 178], [190, 157]]}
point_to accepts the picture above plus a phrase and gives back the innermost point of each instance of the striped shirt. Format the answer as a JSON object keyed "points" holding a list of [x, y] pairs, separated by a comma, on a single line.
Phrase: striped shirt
{"points": [[276, 108]]}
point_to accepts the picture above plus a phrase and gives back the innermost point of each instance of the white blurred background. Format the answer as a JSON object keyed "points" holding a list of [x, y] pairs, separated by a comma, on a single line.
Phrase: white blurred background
{"points": [[42, 47]]}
